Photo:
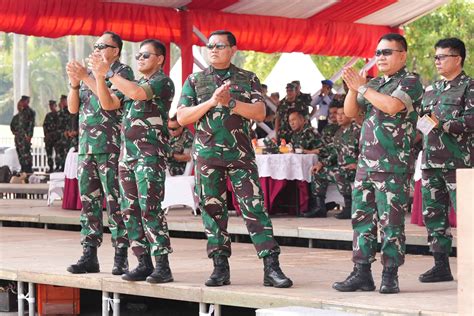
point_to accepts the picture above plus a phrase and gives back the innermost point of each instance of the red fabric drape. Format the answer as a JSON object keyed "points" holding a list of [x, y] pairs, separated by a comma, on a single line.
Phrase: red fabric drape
{"points": [[135, 22], [351, 10], [275, 34]]}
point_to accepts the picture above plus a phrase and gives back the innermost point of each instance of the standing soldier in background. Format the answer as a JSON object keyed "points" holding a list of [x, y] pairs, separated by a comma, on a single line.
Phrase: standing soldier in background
{"points": [[181, 142], [327, 135], [221, 100], [22, 126], [64, 118], [52, 135], [447, 147], [99, 148], [381, 192], [143, 153]]}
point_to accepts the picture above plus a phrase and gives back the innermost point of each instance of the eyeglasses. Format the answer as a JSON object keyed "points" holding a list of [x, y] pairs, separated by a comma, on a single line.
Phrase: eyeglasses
{"points": [[442, 57], [219, 46], [102, 46], [386, 51], [145, 55]]}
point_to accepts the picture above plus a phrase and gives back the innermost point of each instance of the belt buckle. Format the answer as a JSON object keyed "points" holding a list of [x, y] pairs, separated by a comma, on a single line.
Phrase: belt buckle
{"points": [[322, 118]]}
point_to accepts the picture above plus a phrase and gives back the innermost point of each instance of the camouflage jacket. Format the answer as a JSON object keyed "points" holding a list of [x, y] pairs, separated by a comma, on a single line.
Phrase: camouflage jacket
{"points": [[328, 132], [145, 123], [51, 127], [283, 113], [307, 138], [24, 123], [450, 145], [345, 147], [99, 130], [179, 145], [64, 120], [386, 140], [221, 136]]}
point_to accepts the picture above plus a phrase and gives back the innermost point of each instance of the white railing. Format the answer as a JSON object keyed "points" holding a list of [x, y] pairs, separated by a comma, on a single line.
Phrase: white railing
{"points": [[38, 151]]}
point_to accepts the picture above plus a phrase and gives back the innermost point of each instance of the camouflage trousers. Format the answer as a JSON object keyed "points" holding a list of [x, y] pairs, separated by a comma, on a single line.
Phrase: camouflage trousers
{"points": [[438, 189], [49, 147], [379, 198], [211, 188], [23, 150], [97, 177], [343, 179], [142, 186]]}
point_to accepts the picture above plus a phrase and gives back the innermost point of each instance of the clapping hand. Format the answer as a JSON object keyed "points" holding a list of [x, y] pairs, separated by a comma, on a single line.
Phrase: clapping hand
{"points": [[98, 64], [354, 79], [76, 72]]}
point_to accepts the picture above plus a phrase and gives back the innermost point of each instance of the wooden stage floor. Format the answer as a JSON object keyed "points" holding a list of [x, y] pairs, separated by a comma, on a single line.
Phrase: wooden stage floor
{"points": [[179, 219], [41, 256]]}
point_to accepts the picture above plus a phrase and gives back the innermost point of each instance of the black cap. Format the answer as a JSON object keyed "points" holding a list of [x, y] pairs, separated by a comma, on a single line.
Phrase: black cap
{"points": [[63, 97], [290, 86], [51, 102]]}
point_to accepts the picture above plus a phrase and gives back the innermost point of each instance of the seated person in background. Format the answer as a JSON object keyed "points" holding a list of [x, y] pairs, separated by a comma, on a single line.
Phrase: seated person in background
{"points": [[339, 167], [327, 135], [181, 142], [275, 96], [288, 104], [303, 136]]}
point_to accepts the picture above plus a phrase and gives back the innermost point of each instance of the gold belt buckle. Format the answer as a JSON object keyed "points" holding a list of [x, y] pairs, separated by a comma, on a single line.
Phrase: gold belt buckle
{"points": [[322, 118]]}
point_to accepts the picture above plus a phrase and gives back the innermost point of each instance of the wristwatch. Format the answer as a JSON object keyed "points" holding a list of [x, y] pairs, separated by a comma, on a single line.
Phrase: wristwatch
{"points": [[109, 74], [362, 89], [74, 87], [232, 103]]}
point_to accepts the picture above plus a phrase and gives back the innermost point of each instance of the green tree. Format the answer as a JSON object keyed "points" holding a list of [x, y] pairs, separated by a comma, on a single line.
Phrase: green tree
{"points": [[455, 19]]}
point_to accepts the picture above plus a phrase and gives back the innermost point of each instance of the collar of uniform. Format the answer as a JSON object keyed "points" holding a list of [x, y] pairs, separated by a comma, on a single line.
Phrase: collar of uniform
{"points": [[456, 81], [399, 73], [212, 70], [158, 72]]}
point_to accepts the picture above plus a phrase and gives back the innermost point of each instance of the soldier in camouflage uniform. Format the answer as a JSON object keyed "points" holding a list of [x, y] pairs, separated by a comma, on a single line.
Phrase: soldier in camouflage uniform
{"points": [[288, 104], [181, 142], [99, 148], [64, 118], [22, 126], [447, 147], [327, 135], [221, 101], [338, 167], [303, 136], [51, 135], [144, 149], [380, 195]]}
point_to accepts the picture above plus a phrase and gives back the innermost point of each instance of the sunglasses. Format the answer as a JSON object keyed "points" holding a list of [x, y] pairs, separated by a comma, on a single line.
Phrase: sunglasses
{"points": [[174, 129], [386, 52], [102, 46], [145, 55], [219, 46], [442, 57]]}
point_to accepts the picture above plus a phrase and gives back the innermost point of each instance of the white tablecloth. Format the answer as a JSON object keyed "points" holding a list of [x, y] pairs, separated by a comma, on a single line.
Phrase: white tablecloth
{"points": [[71, 165], [286, 166]]}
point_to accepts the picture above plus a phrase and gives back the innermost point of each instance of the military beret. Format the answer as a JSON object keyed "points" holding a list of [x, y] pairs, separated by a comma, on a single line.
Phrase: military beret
{"points": [[327, 82]]}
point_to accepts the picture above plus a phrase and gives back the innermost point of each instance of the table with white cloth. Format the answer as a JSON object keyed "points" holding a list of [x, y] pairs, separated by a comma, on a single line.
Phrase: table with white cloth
{"points": [[285, 180]]}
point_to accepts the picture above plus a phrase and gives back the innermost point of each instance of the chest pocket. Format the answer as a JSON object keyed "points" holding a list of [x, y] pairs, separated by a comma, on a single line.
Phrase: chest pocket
{"points": [[449, 107], [204, 89]]}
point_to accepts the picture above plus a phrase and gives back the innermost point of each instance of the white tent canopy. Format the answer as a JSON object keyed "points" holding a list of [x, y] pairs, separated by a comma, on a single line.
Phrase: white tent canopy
{"points": [[294, 66]]}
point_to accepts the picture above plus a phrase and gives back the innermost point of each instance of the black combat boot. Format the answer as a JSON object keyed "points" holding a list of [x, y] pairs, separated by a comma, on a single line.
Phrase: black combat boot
{"points": [[88, 263], [142, 271], [120, 261], [346, 211], [389, 283], [441, 271], [319, 209], [162, 272], [359, 279], [221, 274], [272, 274]]}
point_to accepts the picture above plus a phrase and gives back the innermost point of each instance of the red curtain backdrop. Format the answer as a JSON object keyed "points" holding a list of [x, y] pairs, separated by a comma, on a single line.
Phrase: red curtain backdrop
{"points": [[134, 22]]}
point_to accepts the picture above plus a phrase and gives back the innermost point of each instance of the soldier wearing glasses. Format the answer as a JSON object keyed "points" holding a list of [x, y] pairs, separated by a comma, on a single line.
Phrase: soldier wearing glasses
{"points": [[181, 142], [447, 147], [144, 149], [380, 195], [221, 100], [99, 148]]}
